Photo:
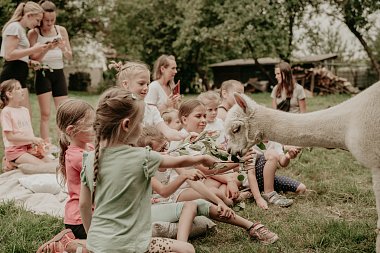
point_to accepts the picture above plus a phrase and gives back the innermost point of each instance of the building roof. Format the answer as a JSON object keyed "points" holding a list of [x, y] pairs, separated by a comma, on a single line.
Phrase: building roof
{"points": [[272, 61], [239, 62], [315, 58]]}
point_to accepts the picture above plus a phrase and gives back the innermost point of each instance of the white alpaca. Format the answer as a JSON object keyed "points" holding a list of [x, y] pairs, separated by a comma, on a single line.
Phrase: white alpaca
{"points": [[353, 125]]}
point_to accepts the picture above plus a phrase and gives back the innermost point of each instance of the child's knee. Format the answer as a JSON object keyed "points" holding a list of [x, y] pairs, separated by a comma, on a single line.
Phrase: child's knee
{"points": [[190, 206], [271, 155], [301, 189]]}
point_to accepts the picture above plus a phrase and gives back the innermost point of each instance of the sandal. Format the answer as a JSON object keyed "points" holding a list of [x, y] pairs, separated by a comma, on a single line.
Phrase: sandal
{"points": [[277, 199], [58, 243], [261, 233]]}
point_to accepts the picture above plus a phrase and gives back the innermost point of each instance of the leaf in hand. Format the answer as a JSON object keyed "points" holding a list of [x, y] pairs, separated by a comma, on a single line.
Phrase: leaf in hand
{"points": [[261, 146], [240, 177], [195, 147]]}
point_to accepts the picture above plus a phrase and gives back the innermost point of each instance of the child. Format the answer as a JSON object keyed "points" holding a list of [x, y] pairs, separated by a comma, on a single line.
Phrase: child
{"points": [[17, 128], [192, 114], [119, 184], [227, 90], [264, 179], [74, 119], [135, 77], [185, 212], [211, 101], [170, 116]]}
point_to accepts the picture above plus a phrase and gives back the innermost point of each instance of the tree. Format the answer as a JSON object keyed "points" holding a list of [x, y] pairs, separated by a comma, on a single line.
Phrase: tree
{"points": [[355, 14]]}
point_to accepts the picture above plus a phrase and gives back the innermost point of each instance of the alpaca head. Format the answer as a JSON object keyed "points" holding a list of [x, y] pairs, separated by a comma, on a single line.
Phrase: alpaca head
{"points": [[241, 127]]}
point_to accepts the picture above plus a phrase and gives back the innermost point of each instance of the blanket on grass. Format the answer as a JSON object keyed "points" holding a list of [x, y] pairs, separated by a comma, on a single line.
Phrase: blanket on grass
{"points": [[33, 192]]}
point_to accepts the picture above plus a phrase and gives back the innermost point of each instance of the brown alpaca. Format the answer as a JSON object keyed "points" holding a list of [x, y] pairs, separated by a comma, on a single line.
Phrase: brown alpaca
{"points": [[353, 125]]}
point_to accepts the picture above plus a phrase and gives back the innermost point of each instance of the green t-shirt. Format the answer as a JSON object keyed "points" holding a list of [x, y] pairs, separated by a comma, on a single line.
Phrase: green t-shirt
{"points": [[121, 221]]}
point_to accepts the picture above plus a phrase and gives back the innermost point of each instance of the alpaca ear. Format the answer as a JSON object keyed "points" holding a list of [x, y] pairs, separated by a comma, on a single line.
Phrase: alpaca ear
{"points": [[241, 101]]}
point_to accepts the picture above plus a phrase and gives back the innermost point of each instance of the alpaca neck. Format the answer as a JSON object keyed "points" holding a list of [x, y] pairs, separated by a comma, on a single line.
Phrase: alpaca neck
{"points": [[317, 129]]}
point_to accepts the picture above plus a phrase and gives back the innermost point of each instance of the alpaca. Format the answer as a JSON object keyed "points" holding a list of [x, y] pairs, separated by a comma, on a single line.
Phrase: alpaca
{"points": [[353, 125]]}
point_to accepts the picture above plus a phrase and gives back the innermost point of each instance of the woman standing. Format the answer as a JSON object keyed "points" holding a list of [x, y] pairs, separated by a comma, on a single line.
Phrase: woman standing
{"points": [[50, 79], [287, 94], [160, 92], [15, 46]]}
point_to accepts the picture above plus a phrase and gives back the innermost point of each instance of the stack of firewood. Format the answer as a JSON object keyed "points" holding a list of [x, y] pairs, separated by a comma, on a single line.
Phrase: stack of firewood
{"points": [[323, 81]]}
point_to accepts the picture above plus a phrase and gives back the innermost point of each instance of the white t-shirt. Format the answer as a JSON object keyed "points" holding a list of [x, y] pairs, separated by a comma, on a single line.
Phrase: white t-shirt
{"points": [[54, 57], [156, 95], [270, 145], [217, 125], [16, 29], [151, 115], [298, 94]]}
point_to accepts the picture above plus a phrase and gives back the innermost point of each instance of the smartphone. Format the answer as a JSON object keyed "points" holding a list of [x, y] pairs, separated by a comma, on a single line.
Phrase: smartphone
{"points": [[177, 89]]}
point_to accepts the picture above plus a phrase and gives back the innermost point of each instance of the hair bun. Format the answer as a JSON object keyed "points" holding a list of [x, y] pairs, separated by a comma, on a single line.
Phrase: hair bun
{"points": [[116, 65]]}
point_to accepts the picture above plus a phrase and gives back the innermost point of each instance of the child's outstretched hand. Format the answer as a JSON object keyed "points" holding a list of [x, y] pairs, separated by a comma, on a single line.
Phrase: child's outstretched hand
{"points": [[292, 153], [208, 160], [262, 203], [194, 174]]}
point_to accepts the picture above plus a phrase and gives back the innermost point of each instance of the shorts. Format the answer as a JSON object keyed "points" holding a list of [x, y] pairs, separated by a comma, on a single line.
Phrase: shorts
{"points": [[17, 69], [14, 152], [51, 81], [78, 231], [281, 183], [171, 212]]}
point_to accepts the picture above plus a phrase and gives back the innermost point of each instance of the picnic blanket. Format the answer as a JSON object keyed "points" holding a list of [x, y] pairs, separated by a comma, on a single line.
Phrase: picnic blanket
{"points": [[42, 200]]}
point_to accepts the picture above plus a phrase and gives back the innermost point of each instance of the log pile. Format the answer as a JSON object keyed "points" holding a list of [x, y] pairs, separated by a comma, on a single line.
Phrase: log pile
{"points": [[323, 81]]}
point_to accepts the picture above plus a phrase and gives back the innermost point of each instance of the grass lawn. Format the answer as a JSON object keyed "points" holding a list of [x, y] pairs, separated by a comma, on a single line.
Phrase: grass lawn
{"points": [[337, 214]]}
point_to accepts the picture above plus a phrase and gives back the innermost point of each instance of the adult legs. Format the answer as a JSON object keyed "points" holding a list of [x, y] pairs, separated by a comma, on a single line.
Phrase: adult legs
{"points": [[44, 103]]}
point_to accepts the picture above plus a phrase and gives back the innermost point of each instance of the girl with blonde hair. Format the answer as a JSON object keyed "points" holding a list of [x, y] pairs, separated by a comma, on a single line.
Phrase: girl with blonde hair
{"points": [[117, 179], [161, 89], [15, 46]]}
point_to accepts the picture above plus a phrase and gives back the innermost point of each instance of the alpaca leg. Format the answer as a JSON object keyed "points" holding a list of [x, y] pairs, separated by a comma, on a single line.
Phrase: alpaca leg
{"points": [[376, 188]]}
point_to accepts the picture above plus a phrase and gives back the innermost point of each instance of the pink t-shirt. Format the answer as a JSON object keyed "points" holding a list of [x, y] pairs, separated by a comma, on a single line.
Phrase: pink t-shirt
{"points": [[17, 121], [73, 161]]}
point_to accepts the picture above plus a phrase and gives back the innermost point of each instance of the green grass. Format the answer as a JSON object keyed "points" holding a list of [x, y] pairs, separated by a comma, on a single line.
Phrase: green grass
{"points": [[337, 215]]}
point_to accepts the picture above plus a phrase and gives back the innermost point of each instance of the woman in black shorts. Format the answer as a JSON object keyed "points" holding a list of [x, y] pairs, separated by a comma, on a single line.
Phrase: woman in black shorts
{"points": [[15, 47], [50, 79]]}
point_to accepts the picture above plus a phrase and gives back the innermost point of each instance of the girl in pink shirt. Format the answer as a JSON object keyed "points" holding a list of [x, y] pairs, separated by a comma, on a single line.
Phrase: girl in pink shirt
{"points": [[74, 120], [17, 131]]}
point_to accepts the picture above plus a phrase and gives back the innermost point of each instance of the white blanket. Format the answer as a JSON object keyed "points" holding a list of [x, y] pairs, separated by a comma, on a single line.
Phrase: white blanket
{"points": [[40, 203]]}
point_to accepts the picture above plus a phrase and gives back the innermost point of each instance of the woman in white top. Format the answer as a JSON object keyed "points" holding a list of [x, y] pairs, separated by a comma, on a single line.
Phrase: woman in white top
{"points": [[160, 92], [15, 47], [287, 88], [50, 79]]}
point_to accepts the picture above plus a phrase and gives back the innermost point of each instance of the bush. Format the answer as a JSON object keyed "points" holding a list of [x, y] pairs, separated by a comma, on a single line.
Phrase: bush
{"points": [[79, 81]]}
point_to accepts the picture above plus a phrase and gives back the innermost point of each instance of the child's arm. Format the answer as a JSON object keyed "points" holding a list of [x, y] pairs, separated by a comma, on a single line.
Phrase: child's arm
{"points": [[186, 161], [167, 190], [21, 138], [255, 189], [85, 206], [291, 154]]}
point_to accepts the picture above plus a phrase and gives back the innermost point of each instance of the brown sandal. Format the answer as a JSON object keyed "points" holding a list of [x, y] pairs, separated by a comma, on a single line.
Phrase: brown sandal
{"points": [[261, 233]]}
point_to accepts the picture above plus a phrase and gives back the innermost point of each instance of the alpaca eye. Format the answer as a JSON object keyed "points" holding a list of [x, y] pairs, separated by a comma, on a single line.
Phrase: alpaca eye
{"points": [[236, 130]]}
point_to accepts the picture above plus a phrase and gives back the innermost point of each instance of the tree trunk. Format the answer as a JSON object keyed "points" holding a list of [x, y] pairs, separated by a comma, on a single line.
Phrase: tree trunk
{"points": [[270, 78], [368, 50]]}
